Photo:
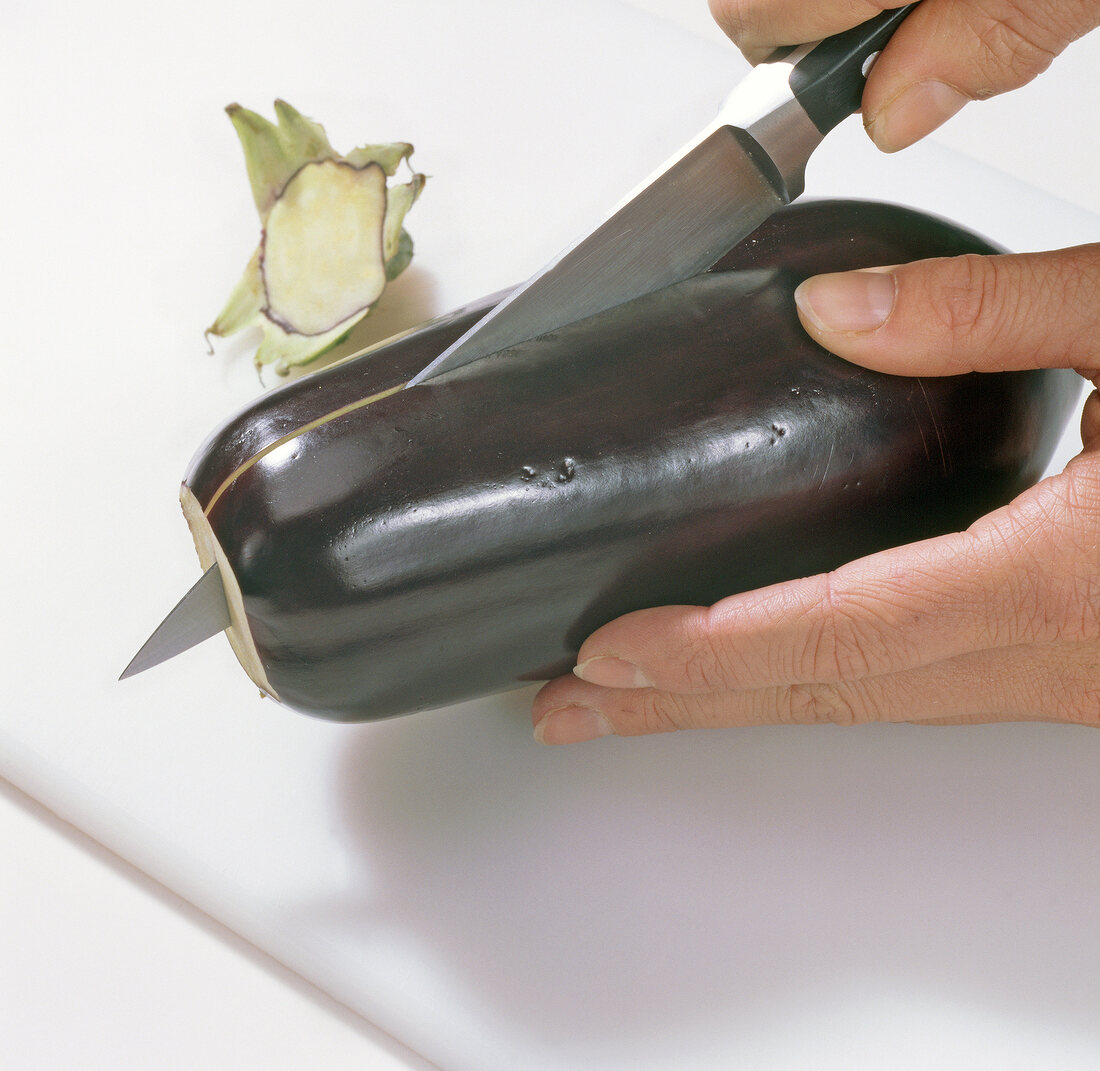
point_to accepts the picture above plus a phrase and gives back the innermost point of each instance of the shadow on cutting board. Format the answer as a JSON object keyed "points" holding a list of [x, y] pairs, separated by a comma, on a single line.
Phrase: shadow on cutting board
{"points": [[702, 885]]}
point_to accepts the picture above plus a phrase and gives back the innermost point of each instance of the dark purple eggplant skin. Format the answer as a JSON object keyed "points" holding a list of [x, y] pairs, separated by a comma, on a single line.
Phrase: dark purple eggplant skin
{"points": [[465, 536]]}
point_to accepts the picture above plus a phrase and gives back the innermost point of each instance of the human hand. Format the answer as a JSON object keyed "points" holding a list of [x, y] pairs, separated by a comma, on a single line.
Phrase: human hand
{"points": [[1001, 622], [946, 53]]}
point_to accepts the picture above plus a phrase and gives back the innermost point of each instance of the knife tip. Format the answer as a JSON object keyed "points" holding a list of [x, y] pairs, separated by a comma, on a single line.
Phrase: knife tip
{"points": [[203, 612]]}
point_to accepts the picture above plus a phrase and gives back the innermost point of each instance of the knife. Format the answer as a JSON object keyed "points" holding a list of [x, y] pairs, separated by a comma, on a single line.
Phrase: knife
{"points": [[743, 166], [748, 162]]}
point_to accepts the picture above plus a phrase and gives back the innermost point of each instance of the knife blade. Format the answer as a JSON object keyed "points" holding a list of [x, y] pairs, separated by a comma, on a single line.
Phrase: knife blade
{"points": [[203, 612], [747, 163]]}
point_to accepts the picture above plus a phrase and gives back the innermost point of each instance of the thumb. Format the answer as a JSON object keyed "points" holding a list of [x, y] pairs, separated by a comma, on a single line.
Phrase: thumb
{"points": [[946, 54], [962, 314]]}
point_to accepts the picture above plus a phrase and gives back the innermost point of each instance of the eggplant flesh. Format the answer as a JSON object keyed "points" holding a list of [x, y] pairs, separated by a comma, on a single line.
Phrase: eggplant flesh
{"points": [[389, 550]]}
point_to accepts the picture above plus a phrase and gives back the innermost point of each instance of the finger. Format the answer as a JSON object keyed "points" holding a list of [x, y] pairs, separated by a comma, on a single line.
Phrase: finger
{"points": [[758, 27], [1035, 682], [961, 314], [946, 53], [949, 53], [891, 611]]}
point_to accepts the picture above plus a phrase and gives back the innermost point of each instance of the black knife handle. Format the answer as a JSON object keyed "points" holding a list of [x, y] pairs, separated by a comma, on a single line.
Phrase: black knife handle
{"points": [[828, 80]]}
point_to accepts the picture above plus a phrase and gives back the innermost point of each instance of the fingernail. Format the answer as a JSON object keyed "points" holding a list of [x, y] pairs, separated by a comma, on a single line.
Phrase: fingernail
{"points": [[612, 672], [853, 302], [915, 111], [572, 725]]}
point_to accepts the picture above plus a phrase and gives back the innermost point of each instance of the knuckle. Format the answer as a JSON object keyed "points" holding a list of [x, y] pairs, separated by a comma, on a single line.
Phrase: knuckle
{"points": [[1060, 289], [713, 654], [971, 295], [702, 666], [1083, 709], [818, 704], [759, 25], [1018, 43], [1053, 538], [1000, 303], [1082, 498], [1076, 275], [658, 712], [836, 647], [735, 17], [1018, 607], [1073, 694], [1089, 707], [704, 656]]}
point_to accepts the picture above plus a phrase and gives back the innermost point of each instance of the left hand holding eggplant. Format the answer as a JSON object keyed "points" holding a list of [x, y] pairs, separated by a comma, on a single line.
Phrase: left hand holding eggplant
{"points": [[997, 623]]}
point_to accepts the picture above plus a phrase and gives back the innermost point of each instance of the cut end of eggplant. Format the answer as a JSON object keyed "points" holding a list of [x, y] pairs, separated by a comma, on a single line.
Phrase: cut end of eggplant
{"points": [[210, 553]]}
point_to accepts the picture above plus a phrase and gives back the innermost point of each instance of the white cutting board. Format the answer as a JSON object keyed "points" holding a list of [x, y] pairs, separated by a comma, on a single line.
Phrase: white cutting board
{"points": [[878, 897]]}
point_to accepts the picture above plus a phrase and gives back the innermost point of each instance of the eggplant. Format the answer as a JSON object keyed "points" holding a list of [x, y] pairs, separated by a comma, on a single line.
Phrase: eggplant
{"points": [[386, 551]]}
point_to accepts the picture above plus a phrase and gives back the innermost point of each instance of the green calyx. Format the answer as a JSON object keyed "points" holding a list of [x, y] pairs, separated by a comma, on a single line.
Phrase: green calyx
{"points": [[332, 237]]}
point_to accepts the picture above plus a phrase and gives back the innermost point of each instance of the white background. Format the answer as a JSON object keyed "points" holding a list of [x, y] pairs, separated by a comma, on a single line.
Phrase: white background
{"points": [[101, 967]]}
